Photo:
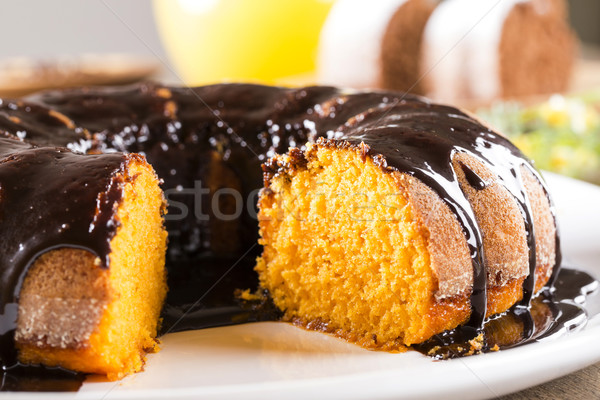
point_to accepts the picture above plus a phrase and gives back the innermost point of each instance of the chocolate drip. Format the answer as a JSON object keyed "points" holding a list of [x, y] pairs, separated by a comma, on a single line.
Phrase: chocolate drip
{"points": [[530, 279], [558, 261], [472, 178], [49, 199]]}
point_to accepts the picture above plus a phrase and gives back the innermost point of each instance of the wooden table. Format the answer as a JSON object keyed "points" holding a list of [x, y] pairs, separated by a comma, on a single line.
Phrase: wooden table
{"points": [[584, 384]]}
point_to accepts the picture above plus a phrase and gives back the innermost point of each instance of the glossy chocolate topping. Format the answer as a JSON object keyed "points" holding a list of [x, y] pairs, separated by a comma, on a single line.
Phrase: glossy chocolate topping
{"points": [[216, 137], [40, 125], [50, 198]]}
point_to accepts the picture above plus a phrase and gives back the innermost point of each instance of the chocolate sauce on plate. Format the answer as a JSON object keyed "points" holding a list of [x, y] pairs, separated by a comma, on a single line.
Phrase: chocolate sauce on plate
{"points": [[553, 313]]}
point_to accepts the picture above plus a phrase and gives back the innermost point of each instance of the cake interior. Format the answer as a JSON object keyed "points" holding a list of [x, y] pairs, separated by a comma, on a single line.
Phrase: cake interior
{"points": [[343, 252], [115, 310]]}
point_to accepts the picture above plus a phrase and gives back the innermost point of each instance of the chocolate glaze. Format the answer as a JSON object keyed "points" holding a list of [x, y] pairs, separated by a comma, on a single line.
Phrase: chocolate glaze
{"points": [[40, 125], [187, 134], [471, 176], [183, 131], [49, 199]]}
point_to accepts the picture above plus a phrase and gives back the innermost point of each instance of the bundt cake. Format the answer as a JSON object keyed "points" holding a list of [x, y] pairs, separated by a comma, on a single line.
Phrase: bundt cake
{"points": [[454, 50], [83, 278], [377, 223]]}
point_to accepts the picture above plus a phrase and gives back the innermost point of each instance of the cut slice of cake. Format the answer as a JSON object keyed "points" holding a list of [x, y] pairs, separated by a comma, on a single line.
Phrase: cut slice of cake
{"points": [[82, 258], [357, 247]]}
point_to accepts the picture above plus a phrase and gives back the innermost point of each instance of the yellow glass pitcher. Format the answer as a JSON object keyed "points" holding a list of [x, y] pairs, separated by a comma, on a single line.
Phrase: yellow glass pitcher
{"points": [[262, 41]]}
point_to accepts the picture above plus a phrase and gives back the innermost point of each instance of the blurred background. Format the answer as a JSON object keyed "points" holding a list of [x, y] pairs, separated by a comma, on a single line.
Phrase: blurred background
{"points": [[585, 15], [191, 42], [38, 28]]}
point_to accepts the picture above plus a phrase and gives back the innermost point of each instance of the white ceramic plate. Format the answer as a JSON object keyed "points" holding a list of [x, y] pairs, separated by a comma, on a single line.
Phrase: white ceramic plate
{"points": [[273, 360]]}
